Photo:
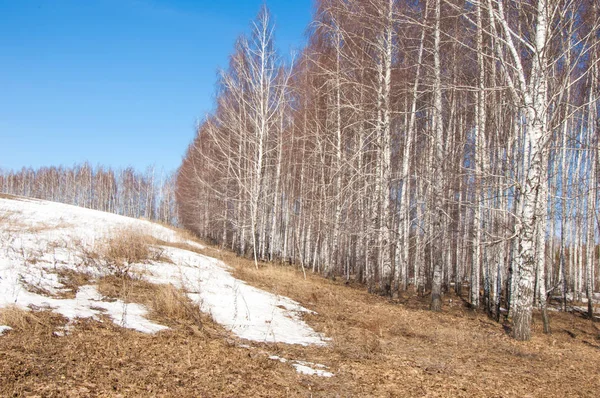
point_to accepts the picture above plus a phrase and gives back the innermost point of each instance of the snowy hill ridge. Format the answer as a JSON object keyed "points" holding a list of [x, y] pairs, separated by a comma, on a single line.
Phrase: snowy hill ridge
{"points": [[39, 238]]}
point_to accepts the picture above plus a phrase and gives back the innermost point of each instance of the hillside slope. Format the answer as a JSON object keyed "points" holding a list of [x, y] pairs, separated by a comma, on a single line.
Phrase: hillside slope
{"points": [[375, 347], [41, 241]]}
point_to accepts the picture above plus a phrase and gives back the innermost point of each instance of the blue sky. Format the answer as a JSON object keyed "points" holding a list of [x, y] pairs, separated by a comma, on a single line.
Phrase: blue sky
{"points": [[118, 82]]}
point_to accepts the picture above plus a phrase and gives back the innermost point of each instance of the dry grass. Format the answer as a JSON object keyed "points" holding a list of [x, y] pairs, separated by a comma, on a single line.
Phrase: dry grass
{"points": [[117, 254], [183, 233], [71, 281], [7, 217], [383, 347], [167, 304], [185, 236], [102, 360], [8, 196], [41, 227], [379, 348], [177, 245], [10, 222], [171, 303], [126, 247], [38, 323]]}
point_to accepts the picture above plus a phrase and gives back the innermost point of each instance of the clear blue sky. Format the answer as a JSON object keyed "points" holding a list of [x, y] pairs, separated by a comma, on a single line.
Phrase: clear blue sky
{"points": [[118, 82]]}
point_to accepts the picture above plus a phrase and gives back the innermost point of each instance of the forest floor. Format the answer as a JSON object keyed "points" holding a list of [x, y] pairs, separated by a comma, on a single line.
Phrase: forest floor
{"points": [[376, 347]]}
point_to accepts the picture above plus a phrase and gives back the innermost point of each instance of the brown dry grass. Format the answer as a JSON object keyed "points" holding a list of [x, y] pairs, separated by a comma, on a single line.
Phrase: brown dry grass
{"points": [[10, 222], [167, 304], [126, 246], [71, 281], [8, 196], [102, 360], [6, 217], [379, 348], [37, 323], [382, 347], [183, 233], [172, 304], [117, 254]]}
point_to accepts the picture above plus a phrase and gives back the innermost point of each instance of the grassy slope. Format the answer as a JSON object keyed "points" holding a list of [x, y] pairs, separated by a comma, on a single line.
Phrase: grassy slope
{"points": [[378, 348]]}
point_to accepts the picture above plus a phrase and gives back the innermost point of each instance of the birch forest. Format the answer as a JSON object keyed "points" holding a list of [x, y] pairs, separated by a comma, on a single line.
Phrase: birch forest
{"points": [[424, 145], [131, 193]]}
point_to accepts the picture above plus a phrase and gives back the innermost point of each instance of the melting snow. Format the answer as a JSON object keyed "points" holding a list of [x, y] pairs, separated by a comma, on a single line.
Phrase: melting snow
{"points": [[304, 369], [248, 312], [44, 243], [307, 368]]}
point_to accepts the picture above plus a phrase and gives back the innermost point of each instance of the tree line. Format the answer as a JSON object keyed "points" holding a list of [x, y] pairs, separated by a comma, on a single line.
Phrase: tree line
{"points": [[126, 192], [427, 145]]}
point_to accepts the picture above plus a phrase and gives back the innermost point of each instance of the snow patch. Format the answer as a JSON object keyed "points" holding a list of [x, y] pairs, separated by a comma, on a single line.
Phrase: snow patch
{"points": [[248, 312], [4, 328], [303, 367], [47, 237], [310, 371]]}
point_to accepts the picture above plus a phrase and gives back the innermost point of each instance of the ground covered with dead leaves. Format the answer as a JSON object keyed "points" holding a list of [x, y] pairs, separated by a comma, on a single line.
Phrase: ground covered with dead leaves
{"points": [[378, 348]]}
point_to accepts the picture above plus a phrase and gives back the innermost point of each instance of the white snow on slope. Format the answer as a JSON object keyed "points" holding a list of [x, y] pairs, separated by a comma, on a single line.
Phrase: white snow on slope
{"points": [[44, 243], [3, 329], [249, 312]]}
